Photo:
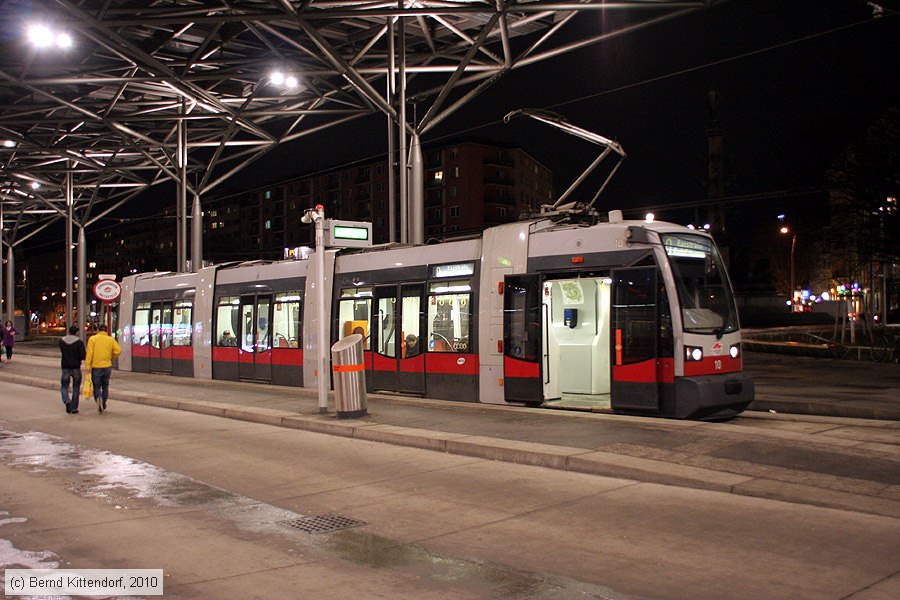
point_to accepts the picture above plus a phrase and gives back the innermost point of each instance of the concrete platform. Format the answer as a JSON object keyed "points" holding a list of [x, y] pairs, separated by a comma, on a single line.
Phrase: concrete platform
{"points": [[838, 462]]}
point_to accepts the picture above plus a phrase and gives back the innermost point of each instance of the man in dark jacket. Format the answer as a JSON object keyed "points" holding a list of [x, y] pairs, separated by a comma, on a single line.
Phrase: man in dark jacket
{"points": [[73, 352]]}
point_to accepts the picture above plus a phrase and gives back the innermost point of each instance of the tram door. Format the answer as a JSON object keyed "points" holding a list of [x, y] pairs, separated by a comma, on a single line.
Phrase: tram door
{"points": [[161, 337], [635, 335], [399, 358], [523, 345], [255, 351]]}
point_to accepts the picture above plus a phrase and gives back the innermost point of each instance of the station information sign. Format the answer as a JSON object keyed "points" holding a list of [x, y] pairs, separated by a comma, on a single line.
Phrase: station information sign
{"points": [[348, 234], [107, 290]]}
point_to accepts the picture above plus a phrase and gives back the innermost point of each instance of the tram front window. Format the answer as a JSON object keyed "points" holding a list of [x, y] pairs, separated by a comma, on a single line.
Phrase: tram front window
{"points": [[707, 305]]}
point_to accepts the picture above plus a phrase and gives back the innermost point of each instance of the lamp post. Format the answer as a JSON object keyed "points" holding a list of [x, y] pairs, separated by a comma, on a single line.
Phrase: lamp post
{"points": [[786, 231]]}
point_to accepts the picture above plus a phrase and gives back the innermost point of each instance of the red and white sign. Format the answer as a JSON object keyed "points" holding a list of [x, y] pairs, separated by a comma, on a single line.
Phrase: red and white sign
{"points": [[107, 290]]}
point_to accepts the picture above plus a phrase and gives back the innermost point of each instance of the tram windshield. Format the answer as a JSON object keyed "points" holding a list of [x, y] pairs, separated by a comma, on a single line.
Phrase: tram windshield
{"points": [[707, 305]]}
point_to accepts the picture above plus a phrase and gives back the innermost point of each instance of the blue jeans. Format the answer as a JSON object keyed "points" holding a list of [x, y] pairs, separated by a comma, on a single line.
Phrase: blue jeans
{"points": [[75, 376], [100, 379]]}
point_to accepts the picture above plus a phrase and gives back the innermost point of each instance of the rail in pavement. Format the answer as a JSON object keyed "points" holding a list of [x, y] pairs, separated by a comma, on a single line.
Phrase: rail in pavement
{"points": [[838, 463]]}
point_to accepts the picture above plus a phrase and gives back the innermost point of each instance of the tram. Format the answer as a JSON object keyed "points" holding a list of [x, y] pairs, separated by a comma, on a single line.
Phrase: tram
{"points": [[626, 316]]}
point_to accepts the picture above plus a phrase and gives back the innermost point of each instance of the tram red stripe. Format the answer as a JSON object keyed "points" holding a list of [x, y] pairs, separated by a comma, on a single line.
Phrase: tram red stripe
{"points": [[289, 357], [519, 368], [451, 363], [445, 363], [707, 366], [224, 354], [665, 370], [414, 364], [641, 372]]}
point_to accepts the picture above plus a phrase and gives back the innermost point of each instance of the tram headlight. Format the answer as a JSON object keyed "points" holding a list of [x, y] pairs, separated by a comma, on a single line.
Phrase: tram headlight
{"points": [[734, 350], [693, 353]]}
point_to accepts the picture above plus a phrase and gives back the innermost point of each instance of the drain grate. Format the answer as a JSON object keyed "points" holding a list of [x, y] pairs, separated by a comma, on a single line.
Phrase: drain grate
{"points": [[323, 523]]}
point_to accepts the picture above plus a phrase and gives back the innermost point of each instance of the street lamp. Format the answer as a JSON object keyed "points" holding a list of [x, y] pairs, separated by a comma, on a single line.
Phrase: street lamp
{"points": [[787, 231]]}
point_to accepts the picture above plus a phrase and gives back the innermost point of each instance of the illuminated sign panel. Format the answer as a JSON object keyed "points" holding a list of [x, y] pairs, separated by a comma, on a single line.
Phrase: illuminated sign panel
{"points": [[348, 234], [457, 270], [683, 247]]}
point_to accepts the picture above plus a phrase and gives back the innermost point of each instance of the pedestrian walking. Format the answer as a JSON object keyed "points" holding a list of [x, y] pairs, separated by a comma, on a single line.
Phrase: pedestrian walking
{"points": [[9, 333], [101, 350], [72, 350]]}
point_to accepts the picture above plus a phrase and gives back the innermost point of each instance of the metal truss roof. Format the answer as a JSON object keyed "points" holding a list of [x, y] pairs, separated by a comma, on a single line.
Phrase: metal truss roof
{"points": [[105, 120]]}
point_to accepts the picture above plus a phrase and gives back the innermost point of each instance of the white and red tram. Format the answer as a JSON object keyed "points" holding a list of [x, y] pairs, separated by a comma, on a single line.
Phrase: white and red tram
{"points": [[633, 316]]}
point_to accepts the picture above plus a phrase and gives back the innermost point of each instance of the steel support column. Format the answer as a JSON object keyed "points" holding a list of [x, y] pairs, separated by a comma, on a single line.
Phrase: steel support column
{"points": [[10, 283], [70, 211], [416, 191], [403, 174], [181, 210], [392, 151], [83, 312], [196, 235]]}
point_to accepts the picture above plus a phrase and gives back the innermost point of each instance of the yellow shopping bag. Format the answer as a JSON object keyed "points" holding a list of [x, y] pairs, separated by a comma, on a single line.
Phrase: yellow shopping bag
{"points": [[87, 387]]}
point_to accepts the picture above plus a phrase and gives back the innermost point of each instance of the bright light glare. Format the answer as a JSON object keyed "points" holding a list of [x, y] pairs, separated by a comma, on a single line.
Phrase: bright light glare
{"points": [[40, 36], [696, 354], [277, 77], [9, 144], [63, 40], [649, 218], [35, 185], [784, 230], [733, 351], [291, 81]]}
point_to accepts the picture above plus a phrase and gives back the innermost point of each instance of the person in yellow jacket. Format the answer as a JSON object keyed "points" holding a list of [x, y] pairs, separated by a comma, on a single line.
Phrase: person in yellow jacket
{"points": [[101, 350]]}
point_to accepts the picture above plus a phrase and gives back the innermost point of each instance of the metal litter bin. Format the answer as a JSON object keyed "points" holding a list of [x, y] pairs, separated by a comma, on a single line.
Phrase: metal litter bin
{"points": [[348, 366]]}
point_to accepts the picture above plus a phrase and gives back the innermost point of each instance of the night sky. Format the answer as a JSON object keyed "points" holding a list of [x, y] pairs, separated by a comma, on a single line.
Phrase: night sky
{"points": [[797, 81]]}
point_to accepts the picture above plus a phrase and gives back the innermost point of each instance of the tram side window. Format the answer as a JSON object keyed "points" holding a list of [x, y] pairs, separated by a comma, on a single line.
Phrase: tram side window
{"points": [[286, 320], [635, 316], [449, 316], [182, 323], [228, 313], [142, 324], [355, 312]]}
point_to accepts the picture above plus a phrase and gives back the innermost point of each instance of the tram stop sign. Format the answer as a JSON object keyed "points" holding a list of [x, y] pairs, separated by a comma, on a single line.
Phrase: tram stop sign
{"points": [[107, 290]]}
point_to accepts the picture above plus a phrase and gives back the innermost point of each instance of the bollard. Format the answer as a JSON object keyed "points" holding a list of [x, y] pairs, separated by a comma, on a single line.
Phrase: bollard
{"points": [[348, 367]]}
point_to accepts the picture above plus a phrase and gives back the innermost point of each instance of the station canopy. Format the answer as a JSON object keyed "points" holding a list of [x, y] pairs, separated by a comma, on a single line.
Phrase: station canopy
{"points": [[101, 100]]}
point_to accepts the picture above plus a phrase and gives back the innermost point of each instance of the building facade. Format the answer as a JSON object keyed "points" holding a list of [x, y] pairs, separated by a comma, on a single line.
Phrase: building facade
{"points": [[468, 186]]}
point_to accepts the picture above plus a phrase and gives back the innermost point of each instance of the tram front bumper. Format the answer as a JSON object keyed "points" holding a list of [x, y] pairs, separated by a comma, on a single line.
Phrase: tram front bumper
{"points": [[713, 397]]}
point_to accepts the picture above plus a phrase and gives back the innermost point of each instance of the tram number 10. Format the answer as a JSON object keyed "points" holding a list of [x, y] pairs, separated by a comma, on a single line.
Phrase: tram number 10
{"points": [[718, 365]]}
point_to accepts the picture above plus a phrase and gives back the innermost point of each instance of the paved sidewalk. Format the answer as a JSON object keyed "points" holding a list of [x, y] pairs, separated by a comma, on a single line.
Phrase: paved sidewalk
{"points": [[835, 462]]}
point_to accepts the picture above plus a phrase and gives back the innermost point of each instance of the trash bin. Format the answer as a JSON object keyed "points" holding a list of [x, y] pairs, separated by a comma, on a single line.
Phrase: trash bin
{"points": [[349, 377]]}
